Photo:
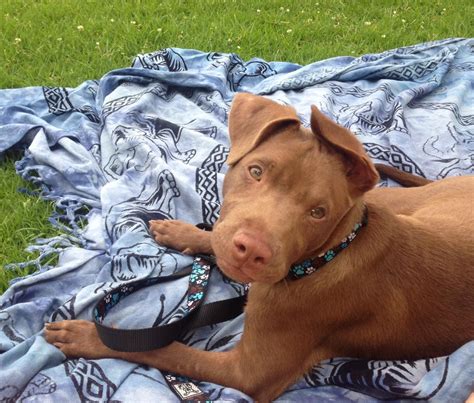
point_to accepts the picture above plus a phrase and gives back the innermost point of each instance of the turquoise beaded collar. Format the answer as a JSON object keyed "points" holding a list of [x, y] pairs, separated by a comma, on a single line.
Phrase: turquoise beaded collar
{"points": [[309, 266]]}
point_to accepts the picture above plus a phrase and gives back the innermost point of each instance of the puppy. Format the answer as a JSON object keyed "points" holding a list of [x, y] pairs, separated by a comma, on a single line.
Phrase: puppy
{"points": [[336, 267]]}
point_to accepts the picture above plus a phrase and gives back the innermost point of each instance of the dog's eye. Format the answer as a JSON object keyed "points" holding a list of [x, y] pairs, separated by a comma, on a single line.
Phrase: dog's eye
{"points": [[256, 172], [318, 212]]}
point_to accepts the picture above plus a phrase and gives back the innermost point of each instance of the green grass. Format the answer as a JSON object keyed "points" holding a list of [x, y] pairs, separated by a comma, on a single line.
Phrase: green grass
{"points": [[59, 42]]}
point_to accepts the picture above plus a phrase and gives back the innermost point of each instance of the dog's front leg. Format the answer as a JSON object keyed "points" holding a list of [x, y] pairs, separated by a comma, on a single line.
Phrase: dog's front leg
{"points": [[255, 366], [79, 338]]}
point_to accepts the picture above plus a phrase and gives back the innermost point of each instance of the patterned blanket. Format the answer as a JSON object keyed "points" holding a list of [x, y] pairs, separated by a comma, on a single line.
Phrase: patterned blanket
{"points": [[151, 142]]}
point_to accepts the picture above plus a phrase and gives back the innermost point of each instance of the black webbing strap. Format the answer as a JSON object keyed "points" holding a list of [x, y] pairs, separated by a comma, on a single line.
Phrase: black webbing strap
{"points": [[145, 339], [151, 338], [218, 311]]}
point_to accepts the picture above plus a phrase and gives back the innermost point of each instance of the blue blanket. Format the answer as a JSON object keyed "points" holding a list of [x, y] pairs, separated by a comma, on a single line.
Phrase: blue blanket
{"points": [[151, 142]]}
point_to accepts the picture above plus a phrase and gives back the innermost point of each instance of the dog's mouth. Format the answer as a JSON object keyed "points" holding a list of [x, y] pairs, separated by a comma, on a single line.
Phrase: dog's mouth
{"points": [[234, 272], [243, 274]]}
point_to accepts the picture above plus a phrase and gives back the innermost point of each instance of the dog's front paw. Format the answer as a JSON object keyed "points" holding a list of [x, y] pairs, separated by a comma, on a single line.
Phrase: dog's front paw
{"points": [[181, 236], [78, 339]]}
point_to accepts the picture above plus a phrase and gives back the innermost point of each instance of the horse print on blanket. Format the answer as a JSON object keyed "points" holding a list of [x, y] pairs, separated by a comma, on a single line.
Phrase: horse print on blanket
{"points": [[240, 73], [379, 115], [374, 118], [143, 139], [165, 59], [129, 257], [39, 387], [447, 151], [8, 327]]}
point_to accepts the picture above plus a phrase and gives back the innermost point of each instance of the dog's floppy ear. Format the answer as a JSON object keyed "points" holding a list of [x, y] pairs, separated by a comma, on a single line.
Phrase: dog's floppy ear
{"points": [[360, 170], [252, 118]]}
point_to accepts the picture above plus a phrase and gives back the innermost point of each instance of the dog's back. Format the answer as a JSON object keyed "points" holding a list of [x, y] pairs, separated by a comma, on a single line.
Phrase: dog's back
{"points": [[430, 262]]}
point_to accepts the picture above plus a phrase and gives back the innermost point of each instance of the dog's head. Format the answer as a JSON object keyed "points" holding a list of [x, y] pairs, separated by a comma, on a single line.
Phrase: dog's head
{"points": [[287, 189]]}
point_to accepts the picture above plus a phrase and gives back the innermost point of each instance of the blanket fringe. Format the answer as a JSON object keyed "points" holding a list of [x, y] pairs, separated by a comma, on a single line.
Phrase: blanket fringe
{"points": [[48, 248], [70, 217]]}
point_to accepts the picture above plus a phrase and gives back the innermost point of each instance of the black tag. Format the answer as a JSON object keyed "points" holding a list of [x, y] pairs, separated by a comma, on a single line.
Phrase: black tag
{"points": [[185, 389]]}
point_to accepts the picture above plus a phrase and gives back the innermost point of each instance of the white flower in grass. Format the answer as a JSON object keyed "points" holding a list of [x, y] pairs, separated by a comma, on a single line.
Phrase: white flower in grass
{"points": [[80, 28], [258, 10], [289, 31], [112, 20], [17, 41], [133, 22], [383, 36], [367, 23], [160, 29], [403, 20]]}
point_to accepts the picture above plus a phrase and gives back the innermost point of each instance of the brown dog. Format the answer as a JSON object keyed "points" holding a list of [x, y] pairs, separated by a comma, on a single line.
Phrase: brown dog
{"points": [[402, 289]]}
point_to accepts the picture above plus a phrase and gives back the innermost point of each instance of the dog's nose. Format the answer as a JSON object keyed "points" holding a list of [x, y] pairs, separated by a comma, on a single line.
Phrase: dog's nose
{"points": [[250, 250]]}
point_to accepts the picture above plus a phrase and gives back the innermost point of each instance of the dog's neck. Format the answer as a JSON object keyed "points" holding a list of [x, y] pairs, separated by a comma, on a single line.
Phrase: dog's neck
{"points": [[351, 224]]}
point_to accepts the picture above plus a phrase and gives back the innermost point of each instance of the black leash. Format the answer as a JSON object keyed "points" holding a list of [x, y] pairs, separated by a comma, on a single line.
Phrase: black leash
{"points": [[197, 315]]}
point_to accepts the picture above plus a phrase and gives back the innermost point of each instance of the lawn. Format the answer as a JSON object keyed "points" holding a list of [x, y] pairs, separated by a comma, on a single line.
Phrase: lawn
{"points": [[62, 43]]}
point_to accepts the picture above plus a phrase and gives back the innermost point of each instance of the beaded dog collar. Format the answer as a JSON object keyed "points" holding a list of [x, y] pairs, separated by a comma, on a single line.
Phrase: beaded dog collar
{"points": [[309, 266]]}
